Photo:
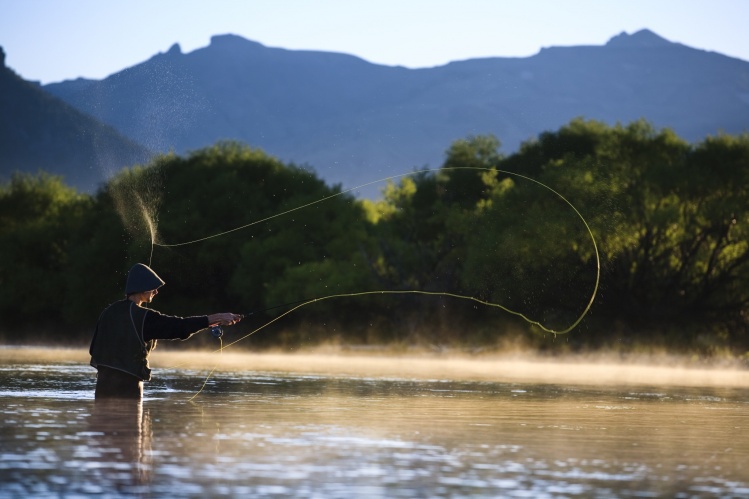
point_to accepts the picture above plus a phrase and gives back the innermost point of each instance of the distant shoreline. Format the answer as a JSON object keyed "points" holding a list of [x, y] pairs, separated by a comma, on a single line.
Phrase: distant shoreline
{"points": [[571, 370]]}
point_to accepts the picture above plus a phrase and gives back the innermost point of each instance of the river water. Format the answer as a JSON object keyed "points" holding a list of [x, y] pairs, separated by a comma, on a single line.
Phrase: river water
{"points": [[284, 435]]}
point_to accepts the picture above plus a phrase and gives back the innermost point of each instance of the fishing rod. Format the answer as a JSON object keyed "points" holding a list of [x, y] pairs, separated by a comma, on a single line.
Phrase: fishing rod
{"points": [[217, 331]]}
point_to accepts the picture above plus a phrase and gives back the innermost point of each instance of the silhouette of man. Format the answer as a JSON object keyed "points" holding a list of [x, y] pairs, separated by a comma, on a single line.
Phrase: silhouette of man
{"points": [[127, 332]]}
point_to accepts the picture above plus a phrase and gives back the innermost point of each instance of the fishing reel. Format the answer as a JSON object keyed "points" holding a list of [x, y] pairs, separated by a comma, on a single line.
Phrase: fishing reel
{"points": [[217, 331]]}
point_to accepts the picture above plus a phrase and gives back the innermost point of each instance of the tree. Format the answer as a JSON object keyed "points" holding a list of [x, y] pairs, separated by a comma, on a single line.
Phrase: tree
{"points": [[38, 218]]}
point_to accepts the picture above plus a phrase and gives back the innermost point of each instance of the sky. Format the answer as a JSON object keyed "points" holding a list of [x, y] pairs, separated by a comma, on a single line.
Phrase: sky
{"points": [[55, 40]]}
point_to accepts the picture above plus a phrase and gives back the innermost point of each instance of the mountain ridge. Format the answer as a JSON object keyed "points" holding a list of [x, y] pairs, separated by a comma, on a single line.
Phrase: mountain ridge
{"points": [[354, 121]]}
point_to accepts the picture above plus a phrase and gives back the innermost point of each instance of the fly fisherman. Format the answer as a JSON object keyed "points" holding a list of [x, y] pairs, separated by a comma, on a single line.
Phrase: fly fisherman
{"points": [[126, 333]]}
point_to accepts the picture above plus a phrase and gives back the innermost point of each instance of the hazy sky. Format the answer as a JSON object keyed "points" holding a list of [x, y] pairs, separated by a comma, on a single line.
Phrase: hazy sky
{"points": [[53, 40]]}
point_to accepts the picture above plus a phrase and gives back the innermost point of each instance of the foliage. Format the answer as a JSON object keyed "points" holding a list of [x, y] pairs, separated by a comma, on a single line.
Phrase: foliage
{"points": [[39, 217], [669, 218]]}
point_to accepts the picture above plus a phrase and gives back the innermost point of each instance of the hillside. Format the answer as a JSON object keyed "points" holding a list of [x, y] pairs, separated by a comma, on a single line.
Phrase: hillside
{"points": [[41, 132]]}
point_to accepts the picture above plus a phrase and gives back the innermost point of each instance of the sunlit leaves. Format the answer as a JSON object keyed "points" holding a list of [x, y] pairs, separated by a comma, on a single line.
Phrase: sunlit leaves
{"points": [[671, 220]]}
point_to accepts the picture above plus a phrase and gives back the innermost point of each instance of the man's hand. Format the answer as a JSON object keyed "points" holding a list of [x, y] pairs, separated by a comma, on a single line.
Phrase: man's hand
{"points": [[224, 319]]}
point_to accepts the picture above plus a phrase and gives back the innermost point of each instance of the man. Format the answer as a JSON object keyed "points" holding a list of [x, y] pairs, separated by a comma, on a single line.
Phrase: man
{"points": [[127, 332]]}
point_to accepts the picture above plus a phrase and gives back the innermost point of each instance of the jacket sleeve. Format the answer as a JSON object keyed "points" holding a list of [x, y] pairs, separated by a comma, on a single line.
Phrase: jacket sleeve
{"points": [[157, 326]]}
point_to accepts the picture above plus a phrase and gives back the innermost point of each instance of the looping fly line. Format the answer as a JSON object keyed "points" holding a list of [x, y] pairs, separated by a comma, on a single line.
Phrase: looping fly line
{"points": [[431, 293], [530, 321]]}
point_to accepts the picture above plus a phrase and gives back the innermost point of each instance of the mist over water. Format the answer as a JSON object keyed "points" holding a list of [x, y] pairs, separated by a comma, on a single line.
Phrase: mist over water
{"points": [[277, 432]]}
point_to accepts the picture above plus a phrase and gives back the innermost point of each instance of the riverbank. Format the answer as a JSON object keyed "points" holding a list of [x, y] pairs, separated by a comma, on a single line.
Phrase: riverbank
{"points": [[518, 368]]}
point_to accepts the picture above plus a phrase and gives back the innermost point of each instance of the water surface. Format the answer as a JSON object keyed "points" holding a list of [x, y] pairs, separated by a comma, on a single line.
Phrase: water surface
{"points": [[282, 435]]}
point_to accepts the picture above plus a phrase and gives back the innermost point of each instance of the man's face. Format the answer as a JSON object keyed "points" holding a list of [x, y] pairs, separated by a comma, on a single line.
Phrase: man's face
{"points": [[148, 296]]}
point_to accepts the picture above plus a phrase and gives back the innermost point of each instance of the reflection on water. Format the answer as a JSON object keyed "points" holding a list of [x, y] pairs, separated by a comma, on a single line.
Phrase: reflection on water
{"points": [[254, 434]]}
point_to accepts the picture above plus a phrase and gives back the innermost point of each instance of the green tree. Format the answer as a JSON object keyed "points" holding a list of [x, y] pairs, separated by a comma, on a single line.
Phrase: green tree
{"points": [[38, 216], [668, 217], [421, 228], [423, 221]]}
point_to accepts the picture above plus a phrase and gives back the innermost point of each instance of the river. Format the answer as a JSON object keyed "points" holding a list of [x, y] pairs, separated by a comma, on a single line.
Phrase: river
{"points": [[285, 433]]}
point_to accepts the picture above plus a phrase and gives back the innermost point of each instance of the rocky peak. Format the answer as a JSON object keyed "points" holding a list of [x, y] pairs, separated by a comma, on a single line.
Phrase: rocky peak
{"points": [[642, 38]]}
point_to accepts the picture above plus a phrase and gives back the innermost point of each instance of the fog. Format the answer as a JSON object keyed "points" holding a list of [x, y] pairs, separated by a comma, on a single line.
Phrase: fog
{"points": [[527, 368]]}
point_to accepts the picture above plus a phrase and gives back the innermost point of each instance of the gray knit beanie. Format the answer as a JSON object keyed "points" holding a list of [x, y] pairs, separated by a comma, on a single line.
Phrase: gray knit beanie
{"points": [[142, 278]]}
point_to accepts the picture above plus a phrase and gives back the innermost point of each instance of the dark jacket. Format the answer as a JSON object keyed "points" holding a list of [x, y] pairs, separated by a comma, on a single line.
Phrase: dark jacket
{"points": [[126, 333]]}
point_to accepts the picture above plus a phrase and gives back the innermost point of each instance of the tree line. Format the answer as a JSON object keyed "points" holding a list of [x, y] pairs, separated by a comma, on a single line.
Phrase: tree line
{"points": [[669, 221]]}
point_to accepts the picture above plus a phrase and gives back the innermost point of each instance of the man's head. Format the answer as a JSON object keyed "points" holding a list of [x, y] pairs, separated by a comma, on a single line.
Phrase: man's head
{"points": [[143, 281]]}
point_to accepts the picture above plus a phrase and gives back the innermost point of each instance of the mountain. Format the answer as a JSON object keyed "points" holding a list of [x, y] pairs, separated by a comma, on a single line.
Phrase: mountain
{"points": [[41, 132], [354, 121]]}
